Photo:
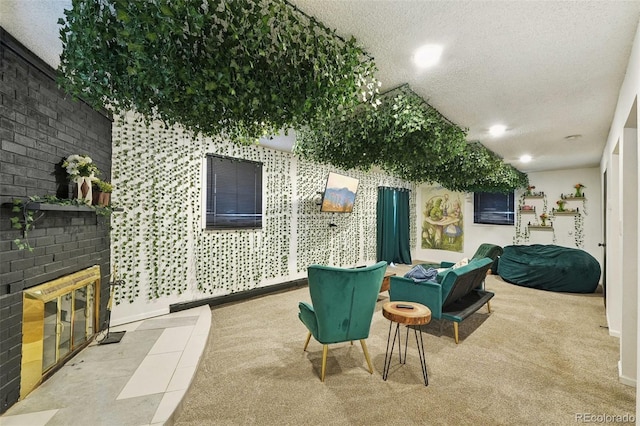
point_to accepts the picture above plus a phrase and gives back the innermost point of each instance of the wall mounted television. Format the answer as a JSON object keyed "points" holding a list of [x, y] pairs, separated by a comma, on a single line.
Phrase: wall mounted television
{"points": [[339, 194], [493, 208]]}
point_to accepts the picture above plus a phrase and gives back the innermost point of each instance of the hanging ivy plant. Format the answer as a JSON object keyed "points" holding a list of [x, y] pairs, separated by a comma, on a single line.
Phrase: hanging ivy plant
{"points": [[408, 138], [399, 133], [244, 68], [578, 230], [352, 240], [478, 169], [248, 68], [159, 245]]}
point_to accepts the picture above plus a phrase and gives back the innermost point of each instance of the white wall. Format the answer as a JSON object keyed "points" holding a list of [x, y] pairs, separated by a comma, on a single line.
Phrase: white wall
{"points": [[551, 183], [629, 247], [624, 118], [614, 248]]}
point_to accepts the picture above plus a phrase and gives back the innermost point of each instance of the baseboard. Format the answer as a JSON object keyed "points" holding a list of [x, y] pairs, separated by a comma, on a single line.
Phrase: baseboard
{"points": [[240, 296], [623, 379]]}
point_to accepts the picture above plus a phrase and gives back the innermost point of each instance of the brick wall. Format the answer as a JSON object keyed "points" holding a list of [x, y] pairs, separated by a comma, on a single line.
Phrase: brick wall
{"points": [[40, 126]]}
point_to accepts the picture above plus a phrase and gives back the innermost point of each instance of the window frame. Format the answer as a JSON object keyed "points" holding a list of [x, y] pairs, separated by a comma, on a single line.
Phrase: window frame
{"points": [[246, 218]]}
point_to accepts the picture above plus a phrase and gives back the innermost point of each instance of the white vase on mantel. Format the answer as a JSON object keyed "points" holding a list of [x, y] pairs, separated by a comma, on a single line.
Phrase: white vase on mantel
{"points": [[85, 192]]}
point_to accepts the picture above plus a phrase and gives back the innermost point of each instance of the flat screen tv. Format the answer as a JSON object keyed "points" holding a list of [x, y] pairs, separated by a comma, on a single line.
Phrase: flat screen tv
{"points": [[339, 194], [493, 208]]}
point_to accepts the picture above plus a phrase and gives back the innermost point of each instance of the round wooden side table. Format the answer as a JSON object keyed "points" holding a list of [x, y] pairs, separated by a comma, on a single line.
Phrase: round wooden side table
{"points": [[409, 314]]}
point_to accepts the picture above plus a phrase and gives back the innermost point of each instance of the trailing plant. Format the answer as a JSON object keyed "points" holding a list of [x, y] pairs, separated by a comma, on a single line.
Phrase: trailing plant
{"points": [[578, 230], [522, 234], [478, 169], [244, 68], [161, 248], [23, 219], [408, 138], [389, 134]]}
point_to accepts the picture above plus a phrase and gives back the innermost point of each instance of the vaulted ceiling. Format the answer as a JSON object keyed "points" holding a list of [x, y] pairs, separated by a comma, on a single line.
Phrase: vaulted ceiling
{"points": [[546, 70]]}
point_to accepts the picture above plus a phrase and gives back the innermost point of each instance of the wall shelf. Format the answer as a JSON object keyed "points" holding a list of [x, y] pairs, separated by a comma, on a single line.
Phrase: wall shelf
{"points": [[66, 207], [574, 208], [43, 207], [58, 207]]}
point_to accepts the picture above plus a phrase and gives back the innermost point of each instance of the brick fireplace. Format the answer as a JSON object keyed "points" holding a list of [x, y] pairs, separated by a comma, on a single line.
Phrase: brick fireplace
{"points": [[39, 126]]}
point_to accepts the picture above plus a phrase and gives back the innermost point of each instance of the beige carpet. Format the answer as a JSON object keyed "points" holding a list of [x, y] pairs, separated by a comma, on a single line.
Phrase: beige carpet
{"points": [[538, 358]]}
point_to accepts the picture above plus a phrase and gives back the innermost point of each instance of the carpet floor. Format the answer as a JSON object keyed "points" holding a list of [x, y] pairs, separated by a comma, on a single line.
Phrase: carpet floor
{"points": [[538, 358]]}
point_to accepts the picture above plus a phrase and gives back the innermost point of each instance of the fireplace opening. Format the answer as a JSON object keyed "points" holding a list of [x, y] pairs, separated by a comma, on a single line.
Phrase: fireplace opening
{"points": [[59, 318]]}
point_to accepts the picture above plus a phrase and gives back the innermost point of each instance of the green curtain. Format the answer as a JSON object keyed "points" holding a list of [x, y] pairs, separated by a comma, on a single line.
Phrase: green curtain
{"points": [[393, 226]]}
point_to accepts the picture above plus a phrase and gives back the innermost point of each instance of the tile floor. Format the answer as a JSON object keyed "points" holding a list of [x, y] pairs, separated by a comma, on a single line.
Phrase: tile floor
{"points": [[139, 381]]}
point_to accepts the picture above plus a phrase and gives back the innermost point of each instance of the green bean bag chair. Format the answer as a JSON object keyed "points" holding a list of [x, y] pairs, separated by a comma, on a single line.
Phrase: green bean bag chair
{"points": [[550, 267]]}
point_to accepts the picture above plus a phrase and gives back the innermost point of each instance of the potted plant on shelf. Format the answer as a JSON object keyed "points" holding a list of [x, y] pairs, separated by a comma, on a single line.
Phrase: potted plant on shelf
{"points": [[529, 190], [543, 218], [81, 170], [102, 193]]}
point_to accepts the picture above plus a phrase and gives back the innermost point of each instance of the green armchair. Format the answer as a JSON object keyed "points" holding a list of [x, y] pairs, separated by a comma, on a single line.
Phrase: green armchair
{"points": [[343, 301]]}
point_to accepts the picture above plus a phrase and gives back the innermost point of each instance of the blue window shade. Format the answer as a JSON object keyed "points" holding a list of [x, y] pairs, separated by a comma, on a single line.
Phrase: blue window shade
{"points": [[234, 193], [493, 208]]}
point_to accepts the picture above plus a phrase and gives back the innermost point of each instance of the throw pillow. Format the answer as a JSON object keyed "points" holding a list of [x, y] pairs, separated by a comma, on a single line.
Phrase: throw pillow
{"points": [[461, 262]]}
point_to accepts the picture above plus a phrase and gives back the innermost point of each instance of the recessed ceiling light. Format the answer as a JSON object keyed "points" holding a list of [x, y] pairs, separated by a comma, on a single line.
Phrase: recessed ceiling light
{"points": [[572, 137], [525, 158], [428, 55], [497, 130]]}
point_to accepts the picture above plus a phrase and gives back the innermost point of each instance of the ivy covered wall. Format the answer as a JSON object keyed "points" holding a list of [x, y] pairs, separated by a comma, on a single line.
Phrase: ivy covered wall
{"points": [[162, 251], [353, 240]]}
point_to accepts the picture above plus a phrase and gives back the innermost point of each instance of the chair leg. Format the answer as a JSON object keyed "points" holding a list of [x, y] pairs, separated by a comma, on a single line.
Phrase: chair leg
{"points": [[325, 350], [455, 331], [489, 306], [366, 355], [306, 343]]}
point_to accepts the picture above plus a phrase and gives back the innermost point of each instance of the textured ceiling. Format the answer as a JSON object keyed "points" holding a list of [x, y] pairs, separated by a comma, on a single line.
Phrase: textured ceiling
{"points": [[545, 69]]}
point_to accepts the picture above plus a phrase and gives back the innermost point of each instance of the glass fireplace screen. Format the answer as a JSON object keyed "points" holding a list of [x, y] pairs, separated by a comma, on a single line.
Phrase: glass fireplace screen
{"points": [[59, 317]]}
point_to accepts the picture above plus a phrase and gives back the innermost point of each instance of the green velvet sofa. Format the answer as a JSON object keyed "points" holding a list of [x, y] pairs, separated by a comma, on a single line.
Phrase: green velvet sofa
{"points": [[459, 294], [484, 250]]}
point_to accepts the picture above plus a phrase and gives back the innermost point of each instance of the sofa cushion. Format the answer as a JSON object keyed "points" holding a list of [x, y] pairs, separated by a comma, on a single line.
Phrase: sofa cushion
{"points": [[452, 276], [467, 305], [461, 262]]}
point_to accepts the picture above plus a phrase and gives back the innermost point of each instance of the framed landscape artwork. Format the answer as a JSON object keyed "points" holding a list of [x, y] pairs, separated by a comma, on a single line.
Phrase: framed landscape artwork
{"points": [[339, 194]]}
